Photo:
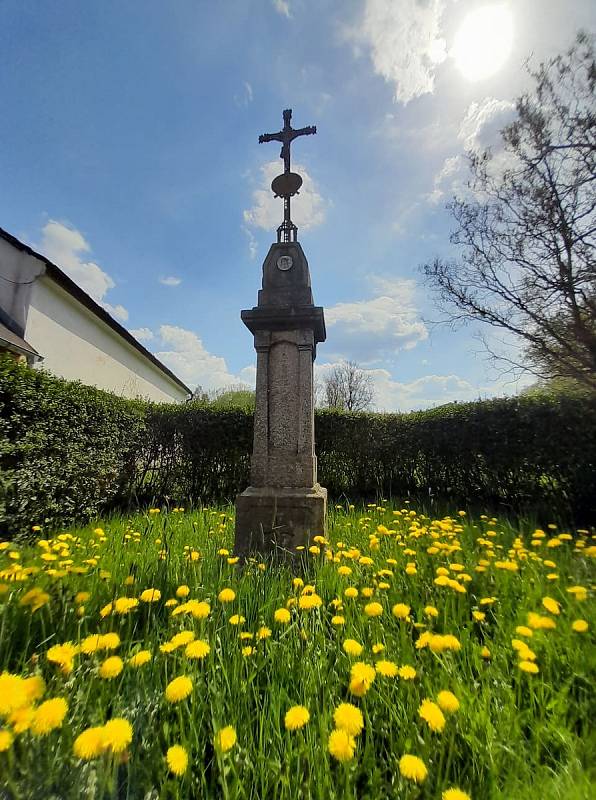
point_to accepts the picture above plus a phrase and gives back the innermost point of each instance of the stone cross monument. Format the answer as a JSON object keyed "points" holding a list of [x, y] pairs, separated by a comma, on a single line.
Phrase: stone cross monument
{"points": [[284, 505]]}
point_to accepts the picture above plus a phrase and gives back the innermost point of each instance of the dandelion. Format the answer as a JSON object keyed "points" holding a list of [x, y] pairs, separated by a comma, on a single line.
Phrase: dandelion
{"points": [[178, 689], [401, 611], [117, 734], [182, 591], [351, 592], [13, 693], [90, 743], [341, 745], [124, 605], [432, 715], [551, 605], [406, 672], [247, 651], [263, 633], [6, 739], [309, 601], [373, 609], [282, 616], [225, 739], [111, 667], [579, 625], [296, 717], [361, 678], [448, 701], [49, 716], [528, 666], [352, 647], [226, 596], [237, 619], [63, 655], [177, 759], [197, 649], [150, 596], [140, 658], [386, 668], [431, 611], [338, 620], [413, 768], [455, 794]]}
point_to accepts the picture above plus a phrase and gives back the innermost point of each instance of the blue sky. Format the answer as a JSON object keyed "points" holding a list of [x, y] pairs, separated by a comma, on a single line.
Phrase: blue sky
{"points": [[129, 155]]}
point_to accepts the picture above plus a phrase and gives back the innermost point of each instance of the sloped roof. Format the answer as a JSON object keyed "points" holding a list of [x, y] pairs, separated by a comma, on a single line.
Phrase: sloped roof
{"points": [[11, 341], [66, 283]]}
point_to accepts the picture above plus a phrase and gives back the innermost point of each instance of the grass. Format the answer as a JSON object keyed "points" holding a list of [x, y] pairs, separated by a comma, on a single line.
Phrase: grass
{"points": [[515, 734]]}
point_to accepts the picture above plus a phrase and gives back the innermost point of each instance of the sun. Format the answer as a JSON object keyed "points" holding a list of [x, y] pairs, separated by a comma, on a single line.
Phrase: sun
{"points": [[483, 42]]}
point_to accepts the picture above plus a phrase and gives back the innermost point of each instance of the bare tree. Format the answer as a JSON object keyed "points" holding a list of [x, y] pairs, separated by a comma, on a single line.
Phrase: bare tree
{"points": [[527, 234], [348, 387]]}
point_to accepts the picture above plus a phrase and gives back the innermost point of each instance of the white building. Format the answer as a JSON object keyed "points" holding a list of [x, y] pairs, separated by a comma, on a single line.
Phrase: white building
{"points": [[52, 323]]}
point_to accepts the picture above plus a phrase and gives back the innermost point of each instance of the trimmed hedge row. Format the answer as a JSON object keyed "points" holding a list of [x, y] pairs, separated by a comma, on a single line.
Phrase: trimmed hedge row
{"points": [[69, 452]]}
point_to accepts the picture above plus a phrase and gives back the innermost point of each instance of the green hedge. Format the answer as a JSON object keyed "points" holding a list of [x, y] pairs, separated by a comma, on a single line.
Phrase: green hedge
{"points": [[69, 452]]}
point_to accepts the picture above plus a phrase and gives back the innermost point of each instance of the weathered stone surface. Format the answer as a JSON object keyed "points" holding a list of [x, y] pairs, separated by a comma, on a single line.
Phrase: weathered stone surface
{"points": [[284, 505]]}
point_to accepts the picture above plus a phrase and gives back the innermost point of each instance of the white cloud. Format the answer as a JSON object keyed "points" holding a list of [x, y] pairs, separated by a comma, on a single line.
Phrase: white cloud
{"points": [[308, 207], [184, 353], [243, 100], [479, 130], [65, 246], [282, 7], [370, 330], [424, 392], [252, 242], [405, 43], [171, 280], [142, 334]]}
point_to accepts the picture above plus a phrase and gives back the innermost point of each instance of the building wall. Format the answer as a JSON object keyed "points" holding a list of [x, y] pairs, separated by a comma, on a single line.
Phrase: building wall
{"points": [[76, 345], [18, 272]]}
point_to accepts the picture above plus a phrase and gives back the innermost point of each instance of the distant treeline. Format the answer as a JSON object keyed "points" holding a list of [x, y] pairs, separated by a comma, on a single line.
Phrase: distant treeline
{"points": [[69, 452]]}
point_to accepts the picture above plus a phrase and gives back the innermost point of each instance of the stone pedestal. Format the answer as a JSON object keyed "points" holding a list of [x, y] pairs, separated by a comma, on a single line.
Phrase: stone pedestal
{"points": [[284, 505]]}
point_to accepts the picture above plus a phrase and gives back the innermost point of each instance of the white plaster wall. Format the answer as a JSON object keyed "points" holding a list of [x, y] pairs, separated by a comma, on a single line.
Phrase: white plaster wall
{"points": [[76, 345]]}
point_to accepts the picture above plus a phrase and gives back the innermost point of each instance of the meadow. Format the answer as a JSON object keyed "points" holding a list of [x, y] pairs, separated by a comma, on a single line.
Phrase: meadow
{"points": [[399, 657]]}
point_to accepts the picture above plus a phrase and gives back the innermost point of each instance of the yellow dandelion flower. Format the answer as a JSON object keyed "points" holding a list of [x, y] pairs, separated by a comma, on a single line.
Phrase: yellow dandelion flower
{"points": [[6, 739], [197, 649], [225, 739], [338, 620], [413, 768], [296, 717], [177, 759], [352, 647], [21, 718], [150, 596], [282, 616], [13, 693], [401, 611], [247, 651], [348, 718], [263, 633], [448, 701], [34, 687], [63, 655], [90, 743], [361, 678], [111, 667], [49, 716], [522, 630], [479, 616], [378, 648], [455, 794], [226, 596], [485, 653], [140, 658], [309, 601], [117, 734], [373, 609], [406, 672], [182, 591], [528, 666], [183, 638], [124, 605], [351, 592], [431, 611], [178, 689], [237, 619], [579, 625], [341, 745], [432, 715], [551, 605]]}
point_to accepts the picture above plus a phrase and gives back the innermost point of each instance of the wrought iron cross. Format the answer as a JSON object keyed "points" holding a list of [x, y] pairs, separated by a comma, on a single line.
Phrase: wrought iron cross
{"points": [[286, 136], [287, 185]]}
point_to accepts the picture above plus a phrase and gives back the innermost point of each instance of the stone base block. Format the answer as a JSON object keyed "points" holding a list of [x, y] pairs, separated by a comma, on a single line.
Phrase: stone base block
{"points": [[277, 520]]}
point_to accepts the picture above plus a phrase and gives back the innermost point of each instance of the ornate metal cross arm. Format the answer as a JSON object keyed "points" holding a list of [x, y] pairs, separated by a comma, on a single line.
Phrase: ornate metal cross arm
{"points": [[289, 186]]}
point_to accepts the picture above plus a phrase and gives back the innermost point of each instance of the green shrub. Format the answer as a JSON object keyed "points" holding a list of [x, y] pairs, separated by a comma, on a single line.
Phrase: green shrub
{"points": [[68, 452]]}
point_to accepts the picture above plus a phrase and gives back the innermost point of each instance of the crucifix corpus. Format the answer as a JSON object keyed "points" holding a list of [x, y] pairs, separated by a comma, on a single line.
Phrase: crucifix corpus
{"points": [[284, 506]]}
